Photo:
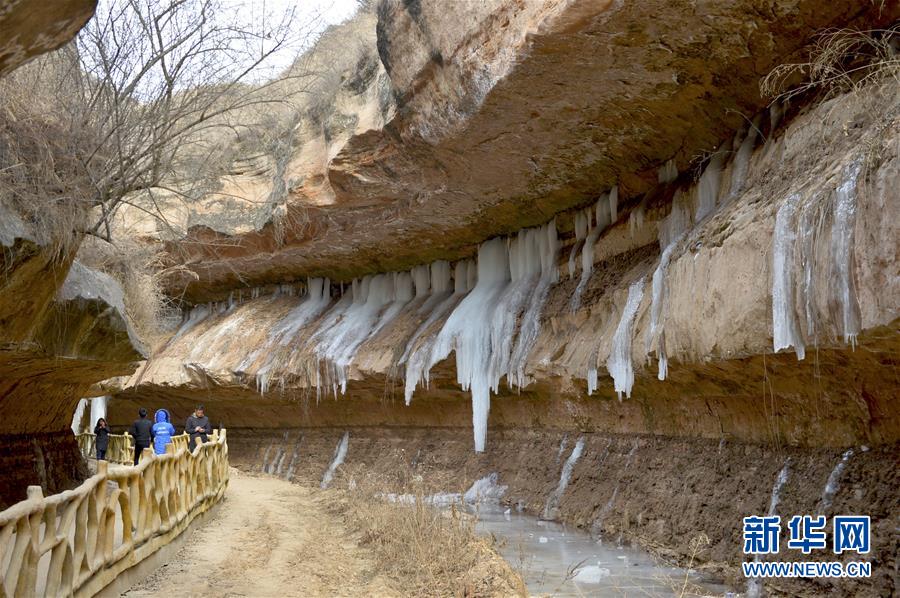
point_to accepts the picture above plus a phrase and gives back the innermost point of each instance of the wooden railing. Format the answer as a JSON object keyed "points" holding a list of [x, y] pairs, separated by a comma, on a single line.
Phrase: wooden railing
{"points": [[119, 450], [75, 543]]}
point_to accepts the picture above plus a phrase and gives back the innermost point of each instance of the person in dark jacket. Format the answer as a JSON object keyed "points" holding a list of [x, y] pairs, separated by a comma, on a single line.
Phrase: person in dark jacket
{"points": [[198, 426], [142, 431], [101, 442], [162, 432]]}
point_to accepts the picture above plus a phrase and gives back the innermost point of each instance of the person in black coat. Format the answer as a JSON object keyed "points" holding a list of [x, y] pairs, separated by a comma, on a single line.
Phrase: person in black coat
{"points": [[142, 431], [198, 426], [101, 431]]}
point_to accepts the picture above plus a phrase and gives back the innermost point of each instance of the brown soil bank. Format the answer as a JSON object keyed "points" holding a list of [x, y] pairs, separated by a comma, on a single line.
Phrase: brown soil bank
{"points": [[657, 491]]}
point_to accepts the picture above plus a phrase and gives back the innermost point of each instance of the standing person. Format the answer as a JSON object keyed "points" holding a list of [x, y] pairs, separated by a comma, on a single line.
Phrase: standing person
{"points": [[162, 432], [198, 425], [101, 442], [142, 431]]}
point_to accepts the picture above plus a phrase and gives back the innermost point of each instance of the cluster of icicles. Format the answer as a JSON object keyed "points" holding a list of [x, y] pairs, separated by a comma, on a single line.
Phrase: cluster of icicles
{"points": [[491, 306]]}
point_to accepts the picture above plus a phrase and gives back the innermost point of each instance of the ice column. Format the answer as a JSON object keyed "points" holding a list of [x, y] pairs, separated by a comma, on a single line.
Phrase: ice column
{"points": [[468, 333], [786, 331]]}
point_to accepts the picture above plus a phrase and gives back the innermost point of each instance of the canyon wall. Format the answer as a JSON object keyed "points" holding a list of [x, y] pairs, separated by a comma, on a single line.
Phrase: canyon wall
{"points": [[505, 227]]}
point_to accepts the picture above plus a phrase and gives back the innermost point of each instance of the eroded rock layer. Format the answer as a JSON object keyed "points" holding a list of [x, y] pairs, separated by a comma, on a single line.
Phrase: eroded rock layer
{"points": [[507, 115]]}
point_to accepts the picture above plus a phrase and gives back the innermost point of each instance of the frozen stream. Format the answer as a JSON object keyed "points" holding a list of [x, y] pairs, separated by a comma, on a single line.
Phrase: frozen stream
{"points": [[560, 561]]}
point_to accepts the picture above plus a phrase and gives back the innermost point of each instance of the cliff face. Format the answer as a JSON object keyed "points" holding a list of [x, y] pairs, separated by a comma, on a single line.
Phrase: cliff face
{"points": [[508, 116], [32, 28], [791, 246], [515, 222]]}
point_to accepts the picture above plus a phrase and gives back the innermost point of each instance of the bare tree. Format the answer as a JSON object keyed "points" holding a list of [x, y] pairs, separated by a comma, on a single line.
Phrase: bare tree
{"points": [[150, 82]]}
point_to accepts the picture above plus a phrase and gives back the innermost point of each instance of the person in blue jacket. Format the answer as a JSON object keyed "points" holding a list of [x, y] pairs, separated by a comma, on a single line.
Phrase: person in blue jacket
{"points": [[163, 431]]}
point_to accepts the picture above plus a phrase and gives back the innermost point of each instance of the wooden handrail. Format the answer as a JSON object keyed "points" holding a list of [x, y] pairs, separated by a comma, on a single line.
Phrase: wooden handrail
{"points": [[111, 522], [119, 450]]}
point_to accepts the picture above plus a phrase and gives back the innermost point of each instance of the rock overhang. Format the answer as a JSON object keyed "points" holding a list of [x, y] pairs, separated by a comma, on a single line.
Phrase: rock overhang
{"points": [[599, 94]]}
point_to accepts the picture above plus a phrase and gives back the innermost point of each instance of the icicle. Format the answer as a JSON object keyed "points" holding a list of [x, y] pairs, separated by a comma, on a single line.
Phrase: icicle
{"points": [[546, 246], [283, 334], [376, 301], [340, 453], [668, 173], [601, 209], [842, 239], [671, 231], [592, 380], [564, 477], [468, 332], [441, 300], [619, 361], [786, 332]]}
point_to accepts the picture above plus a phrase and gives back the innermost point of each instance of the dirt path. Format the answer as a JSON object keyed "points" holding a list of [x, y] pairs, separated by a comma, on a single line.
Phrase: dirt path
{"points": [[269, 538]]}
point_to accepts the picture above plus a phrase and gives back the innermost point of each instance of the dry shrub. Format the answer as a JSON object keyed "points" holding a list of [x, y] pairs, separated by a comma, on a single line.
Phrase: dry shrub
{"points": [[42, 178], [841, 60], [424, 550]]}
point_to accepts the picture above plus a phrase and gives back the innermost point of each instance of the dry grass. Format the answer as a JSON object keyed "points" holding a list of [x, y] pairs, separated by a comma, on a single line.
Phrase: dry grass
{"points": [[424, 550], [841, 60]]}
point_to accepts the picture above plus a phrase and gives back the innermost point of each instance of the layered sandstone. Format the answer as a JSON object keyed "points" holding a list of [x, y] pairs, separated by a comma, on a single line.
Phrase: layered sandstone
{"points": [[506, 116]]}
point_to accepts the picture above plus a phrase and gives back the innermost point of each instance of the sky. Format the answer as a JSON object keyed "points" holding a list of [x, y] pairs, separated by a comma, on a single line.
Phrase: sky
{"points": [[319, 14], [310, 19]]}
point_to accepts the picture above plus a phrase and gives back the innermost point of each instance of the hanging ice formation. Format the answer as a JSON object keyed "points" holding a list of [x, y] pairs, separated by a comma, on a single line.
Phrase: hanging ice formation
{"points": [[671, 230], [317, 299], [375, 300], [842, 239], [98, 410], [606, 213], [741, 162], [668, 173], [583, 221], [619, 362], [708, 186], [513, 277], [786, 331], [78, 415], [794, 244]]}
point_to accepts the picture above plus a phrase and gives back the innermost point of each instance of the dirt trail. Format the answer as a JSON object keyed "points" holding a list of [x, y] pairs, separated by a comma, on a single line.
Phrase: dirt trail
{"points": [[269, 538]]}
